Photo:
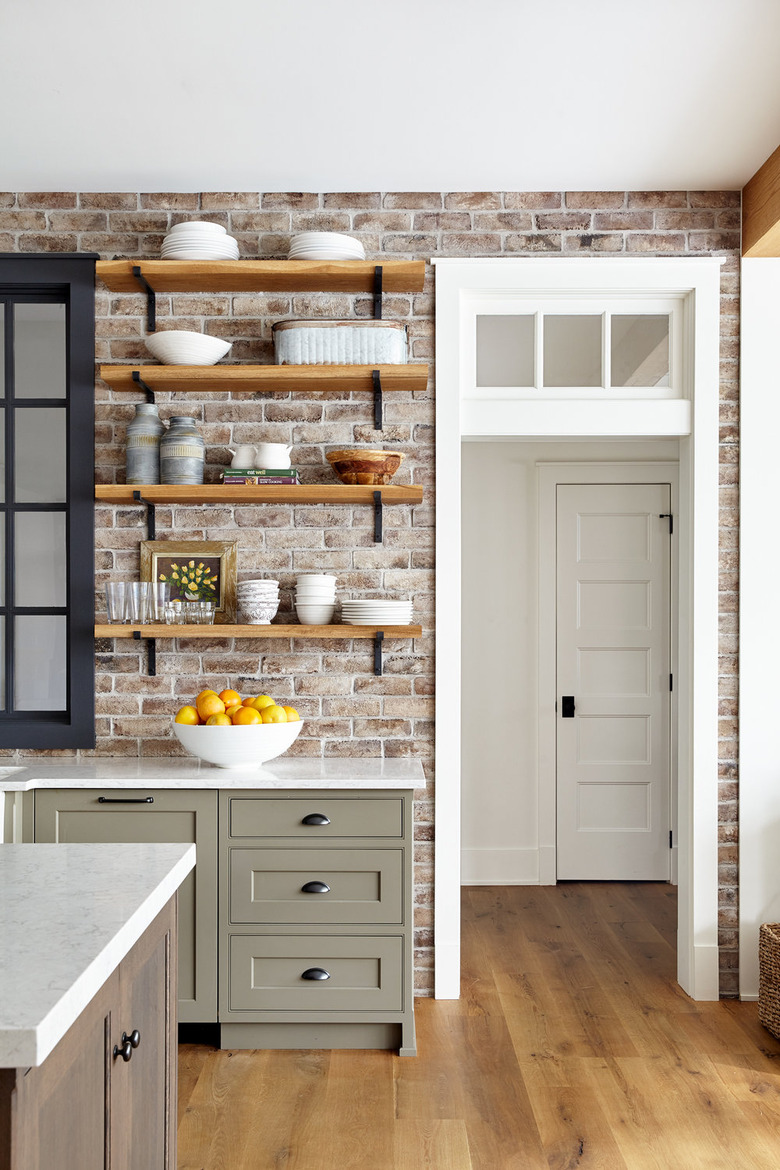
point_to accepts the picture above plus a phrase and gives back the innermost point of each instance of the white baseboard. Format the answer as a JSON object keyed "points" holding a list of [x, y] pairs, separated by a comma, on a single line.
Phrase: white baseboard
{"points": [[499, 867], [748, 997]]}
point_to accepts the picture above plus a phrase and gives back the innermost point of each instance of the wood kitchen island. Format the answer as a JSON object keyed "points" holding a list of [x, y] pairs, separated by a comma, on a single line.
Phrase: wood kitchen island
{"points": [[88, 1005]]}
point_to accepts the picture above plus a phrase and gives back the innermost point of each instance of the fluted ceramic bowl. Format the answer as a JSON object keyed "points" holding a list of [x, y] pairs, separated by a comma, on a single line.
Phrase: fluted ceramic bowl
{"points": [[238, 747], [183, 347]]}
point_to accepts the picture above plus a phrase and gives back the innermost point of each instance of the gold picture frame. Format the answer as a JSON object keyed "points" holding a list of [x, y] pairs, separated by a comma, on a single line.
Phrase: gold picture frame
{"points": [[212, 565]]}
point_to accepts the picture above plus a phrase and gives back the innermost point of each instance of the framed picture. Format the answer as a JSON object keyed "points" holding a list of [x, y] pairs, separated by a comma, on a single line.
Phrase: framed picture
{"points": [[197, 570]]}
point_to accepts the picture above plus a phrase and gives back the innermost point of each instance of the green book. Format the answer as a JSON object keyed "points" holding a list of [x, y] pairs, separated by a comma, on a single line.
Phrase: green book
{"points": [[260, 472]]}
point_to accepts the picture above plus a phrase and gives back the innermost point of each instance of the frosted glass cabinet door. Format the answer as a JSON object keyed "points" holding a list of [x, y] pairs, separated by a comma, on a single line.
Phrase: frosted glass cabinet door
{"points": [[40, 362], [40, 661]]}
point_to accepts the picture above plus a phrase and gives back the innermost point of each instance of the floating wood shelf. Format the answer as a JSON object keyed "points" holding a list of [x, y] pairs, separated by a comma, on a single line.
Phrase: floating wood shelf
{"points": [[341, 493], [174, 276], [250, 379], [272, 631]]}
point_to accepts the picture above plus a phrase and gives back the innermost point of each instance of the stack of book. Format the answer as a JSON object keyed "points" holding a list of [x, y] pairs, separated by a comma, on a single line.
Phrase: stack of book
{"points": [[237, 475]]}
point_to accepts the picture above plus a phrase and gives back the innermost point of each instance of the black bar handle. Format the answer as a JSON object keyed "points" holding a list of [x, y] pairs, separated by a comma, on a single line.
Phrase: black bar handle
{"points": [[567, 706], [125, 800], [315, 819], [316, 973], [315, 888]]}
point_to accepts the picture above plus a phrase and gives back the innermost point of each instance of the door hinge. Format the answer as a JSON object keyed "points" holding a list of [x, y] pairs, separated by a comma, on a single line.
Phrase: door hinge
{"points": [[671, 682], [667, 516], [670, 839]]}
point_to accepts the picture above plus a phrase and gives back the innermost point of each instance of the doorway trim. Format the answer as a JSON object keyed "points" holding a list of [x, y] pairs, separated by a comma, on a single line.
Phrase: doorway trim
{"points": [[695, 420], [549, 476]]}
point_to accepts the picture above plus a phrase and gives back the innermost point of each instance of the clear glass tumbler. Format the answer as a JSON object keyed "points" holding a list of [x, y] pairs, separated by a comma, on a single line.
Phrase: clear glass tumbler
{"points": [[160, 599], [116, 602], [140, 606]]}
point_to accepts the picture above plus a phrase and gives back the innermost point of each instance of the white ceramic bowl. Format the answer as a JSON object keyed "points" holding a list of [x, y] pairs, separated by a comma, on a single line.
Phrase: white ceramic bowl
{"points": [[238, 747], [315, 579], [315, 615], [258, 615], [181, 347], [310, 593]]}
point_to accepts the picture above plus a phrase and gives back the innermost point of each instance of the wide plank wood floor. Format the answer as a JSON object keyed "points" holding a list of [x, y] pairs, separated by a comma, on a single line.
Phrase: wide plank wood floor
{"points": [[572, 1046]]}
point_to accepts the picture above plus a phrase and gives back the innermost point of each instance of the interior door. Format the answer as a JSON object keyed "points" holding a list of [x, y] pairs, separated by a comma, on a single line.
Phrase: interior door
{"points": [[613, 681]]}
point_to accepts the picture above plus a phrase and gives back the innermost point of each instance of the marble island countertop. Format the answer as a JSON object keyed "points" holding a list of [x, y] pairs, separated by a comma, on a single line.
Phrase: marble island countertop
{"points": [[370, 772], [68, 916]]}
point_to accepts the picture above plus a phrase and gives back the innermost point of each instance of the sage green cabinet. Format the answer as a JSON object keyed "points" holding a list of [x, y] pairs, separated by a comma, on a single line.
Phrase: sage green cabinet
{"points": [[159, 815]]}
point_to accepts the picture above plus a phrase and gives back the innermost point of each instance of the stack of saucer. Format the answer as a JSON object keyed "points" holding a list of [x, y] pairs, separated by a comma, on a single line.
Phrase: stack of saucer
{"points": [[199, 240], [325, 246], [315, 599], [258, 601], [376, 612]]}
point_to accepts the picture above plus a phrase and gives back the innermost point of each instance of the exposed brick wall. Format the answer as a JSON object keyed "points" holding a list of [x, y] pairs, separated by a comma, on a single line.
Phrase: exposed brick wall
{"points": [[347, 709]]}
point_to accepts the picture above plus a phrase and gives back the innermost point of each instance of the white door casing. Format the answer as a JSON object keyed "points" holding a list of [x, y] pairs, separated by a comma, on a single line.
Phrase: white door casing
{"points": [[613, 681]]}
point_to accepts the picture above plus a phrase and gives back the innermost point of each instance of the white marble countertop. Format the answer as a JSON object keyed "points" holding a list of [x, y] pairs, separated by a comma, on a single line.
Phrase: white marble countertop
{"points": [[372, 772], [68, 916]]}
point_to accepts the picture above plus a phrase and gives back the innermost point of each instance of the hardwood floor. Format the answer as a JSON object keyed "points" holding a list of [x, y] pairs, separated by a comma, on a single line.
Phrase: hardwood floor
{"points": [[571, 1046]]}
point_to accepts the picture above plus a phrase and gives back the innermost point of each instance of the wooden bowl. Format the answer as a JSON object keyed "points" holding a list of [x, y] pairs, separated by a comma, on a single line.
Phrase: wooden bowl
{"points": [[365, 466]]}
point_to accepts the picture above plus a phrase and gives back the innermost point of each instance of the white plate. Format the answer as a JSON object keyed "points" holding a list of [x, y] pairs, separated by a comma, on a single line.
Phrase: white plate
{"points": [[197, 225]]}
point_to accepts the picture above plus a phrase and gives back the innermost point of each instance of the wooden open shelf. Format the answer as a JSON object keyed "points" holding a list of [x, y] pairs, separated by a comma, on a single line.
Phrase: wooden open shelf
{"points": [[341, 493], [173, 276], [272, 631], [249, 379]]}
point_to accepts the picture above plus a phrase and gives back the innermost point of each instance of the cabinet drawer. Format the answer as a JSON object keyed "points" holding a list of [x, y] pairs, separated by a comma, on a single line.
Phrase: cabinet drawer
{"points": [[350, 817], [268, 885], [267, 973]]}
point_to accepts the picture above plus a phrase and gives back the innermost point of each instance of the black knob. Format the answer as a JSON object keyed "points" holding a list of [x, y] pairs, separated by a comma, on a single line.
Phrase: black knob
{"points": [[134, 1038], [315, 888], [316, 819], [126, 1051], [314, 973]]}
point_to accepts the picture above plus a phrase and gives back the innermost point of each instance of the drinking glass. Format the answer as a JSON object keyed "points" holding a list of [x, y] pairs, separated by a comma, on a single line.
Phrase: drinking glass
{"points": [[161, 596], [116, 602], [207, 609], [140, 606]]}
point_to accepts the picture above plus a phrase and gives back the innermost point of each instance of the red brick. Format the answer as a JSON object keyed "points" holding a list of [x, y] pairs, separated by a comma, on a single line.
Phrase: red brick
{"points": [[595, 199], [533, 242], [289, 200], [344, 199], [473, 200], [23, 221], [422, 200], [622, 221], [229, 200], [655, 242], [532, 200], [109, 200], [47, 199]]}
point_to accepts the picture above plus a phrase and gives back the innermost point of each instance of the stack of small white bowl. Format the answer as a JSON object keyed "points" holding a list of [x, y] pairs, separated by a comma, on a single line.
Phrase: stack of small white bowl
{"points": [[325, 246], [258, 601], [376, 612], [315, 599], [199, 240]]}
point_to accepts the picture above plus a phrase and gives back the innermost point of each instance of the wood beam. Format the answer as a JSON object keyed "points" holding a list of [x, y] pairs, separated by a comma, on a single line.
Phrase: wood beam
{"points": [[761, 210]]}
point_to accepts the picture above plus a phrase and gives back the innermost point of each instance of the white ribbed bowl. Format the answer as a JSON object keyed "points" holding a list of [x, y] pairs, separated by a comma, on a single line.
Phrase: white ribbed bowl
{"points": [[181, 347], [238, 747]]}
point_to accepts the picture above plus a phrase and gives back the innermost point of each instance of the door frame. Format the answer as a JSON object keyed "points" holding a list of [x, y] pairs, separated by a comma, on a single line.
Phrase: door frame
{"points": [[549, 476], [694, 419]]}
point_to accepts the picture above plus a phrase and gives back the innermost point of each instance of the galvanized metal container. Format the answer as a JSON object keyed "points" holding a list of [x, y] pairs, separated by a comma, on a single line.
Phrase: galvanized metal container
{"points": [[143, 445], [347, 343], [182, 452]]}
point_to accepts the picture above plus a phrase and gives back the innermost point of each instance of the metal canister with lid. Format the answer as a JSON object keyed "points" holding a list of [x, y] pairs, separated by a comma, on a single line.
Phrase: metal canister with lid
{"points": [[143, 445], [182, 452]]}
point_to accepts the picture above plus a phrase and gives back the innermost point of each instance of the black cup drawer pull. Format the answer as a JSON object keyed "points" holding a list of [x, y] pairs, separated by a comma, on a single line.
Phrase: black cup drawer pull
{"points": [[315, 888], [315, 819], [125, 800], [316, 973]]}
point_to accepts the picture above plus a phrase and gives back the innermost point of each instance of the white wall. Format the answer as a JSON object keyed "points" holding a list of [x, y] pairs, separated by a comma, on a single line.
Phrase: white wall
{"points": [[759, 771], [500, 795]]}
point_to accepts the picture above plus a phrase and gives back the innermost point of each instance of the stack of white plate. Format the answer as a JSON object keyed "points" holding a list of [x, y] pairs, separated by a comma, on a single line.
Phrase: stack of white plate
{"points": [[325, 246], [376, 612], [199, 240], [258, 601], [315, 599]]}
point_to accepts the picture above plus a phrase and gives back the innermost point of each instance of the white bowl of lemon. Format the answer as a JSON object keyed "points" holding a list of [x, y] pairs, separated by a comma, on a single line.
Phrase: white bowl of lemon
{"points": [[243, 734]]}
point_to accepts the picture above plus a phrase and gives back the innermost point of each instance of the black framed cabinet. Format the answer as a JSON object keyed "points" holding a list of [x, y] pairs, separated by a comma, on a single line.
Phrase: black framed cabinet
{"points": [[47, 413]]}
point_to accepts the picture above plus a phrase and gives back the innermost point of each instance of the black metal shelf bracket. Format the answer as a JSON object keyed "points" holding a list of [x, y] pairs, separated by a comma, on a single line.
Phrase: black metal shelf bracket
{"points": [[377, 517], [379, 638], [151, 298], [150, 515], [376, 379], [142, 386], [151, 653], [378, 292]]}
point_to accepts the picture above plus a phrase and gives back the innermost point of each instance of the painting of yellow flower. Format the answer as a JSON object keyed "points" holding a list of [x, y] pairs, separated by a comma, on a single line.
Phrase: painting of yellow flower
{"points": [[196, 570]]}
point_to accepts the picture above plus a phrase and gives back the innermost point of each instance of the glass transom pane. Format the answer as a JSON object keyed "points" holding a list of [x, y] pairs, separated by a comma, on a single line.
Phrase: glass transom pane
{"points": [[640, 350], [39, 351], [505, 350], [40, 659], [572, 350], [40, 455], [40, 563]]}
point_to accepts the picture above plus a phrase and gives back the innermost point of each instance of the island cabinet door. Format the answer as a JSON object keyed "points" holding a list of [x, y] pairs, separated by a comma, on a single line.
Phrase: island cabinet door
{"points": [[143, 1054], [158, 815]]}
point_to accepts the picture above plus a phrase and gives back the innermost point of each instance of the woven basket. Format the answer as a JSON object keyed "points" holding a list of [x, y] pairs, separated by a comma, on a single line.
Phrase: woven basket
{"points": [[769, 976]]}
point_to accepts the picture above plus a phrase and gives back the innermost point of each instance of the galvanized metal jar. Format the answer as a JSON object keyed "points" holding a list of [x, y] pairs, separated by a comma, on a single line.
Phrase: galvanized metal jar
{"points": [[182, 452], [143, 445]]}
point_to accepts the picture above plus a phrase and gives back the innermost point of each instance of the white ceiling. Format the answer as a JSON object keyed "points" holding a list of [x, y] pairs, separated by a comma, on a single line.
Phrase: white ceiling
{"points": [[411, 95]]}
